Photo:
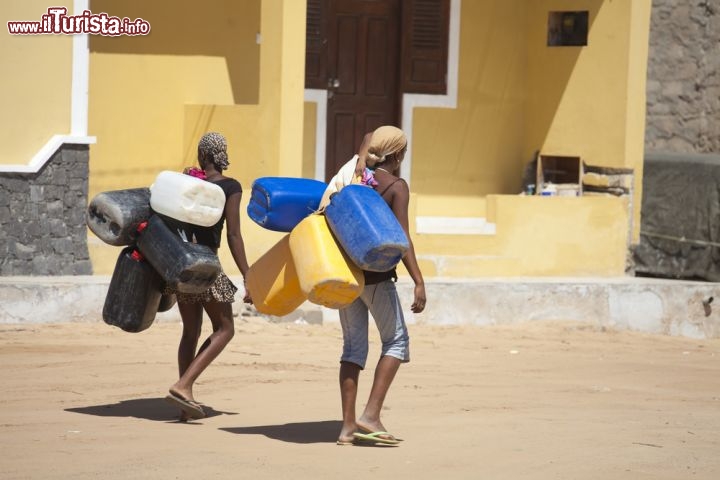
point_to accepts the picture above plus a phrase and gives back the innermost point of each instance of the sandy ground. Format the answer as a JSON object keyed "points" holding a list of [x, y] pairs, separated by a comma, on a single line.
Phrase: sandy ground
{"points": [[536, 401]]}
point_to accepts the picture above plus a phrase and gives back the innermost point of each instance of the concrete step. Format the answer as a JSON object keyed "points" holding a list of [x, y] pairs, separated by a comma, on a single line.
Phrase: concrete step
{"points": [[670, 307]]}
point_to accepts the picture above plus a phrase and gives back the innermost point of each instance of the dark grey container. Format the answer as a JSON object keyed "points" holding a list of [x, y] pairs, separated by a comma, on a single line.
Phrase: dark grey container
{"points": [[187, 267], [134, 293], [114, 216]]}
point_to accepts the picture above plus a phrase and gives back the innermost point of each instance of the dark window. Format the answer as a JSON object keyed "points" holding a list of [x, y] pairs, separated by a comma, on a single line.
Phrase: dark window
{"points": [[425, 29], [567, 29], [316, 44], [426, 25]]}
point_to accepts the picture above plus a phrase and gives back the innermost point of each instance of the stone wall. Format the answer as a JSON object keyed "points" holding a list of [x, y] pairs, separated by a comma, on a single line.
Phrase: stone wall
{"points": [[683, 88], [42, 217]]}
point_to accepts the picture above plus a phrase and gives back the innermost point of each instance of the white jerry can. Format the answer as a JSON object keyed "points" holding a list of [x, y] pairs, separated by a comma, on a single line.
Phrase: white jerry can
{"points": [[187, 199]]}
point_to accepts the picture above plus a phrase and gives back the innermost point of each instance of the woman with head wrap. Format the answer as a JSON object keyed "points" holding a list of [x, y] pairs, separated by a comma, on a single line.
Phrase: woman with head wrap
{"points": [[216, 301], [384, 154]]}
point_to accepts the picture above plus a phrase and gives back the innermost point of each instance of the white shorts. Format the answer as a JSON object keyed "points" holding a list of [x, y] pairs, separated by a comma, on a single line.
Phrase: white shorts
{"points": [[382, 302]]}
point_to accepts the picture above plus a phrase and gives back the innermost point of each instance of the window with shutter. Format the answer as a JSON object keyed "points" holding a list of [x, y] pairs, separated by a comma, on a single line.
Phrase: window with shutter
{"points": [[315, 44], [425, 29], [425, 46]]}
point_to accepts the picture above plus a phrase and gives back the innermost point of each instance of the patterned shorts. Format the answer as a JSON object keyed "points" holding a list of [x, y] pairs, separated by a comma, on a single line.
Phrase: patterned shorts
{"points": [[222, 291]]}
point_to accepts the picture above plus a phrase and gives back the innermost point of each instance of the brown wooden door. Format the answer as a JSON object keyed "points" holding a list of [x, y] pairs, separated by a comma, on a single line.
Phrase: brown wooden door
{"points": [[363, 68]]}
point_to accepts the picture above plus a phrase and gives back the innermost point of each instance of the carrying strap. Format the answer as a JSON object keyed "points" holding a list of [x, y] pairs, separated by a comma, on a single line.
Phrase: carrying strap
{"points": [[388, 187]]}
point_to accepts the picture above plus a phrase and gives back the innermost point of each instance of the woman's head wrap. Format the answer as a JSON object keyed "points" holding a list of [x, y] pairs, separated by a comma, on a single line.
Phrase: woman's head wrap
{"points": [[213, 147], [385, 141]]}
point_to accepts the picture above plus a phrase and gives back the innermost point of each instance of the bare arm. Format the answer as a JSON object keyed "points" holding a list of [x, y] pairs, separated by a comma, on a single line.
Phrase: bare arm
{"points": [[234, 237], [399, 205], [362, 154]]}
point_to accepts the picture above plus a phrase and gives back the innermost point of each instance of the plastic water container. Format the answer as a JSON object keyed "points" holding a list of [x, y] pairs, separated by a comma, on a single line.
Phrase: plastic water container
{"points": [[366, 228], [167, 301], [187, 198], [280, 203], [325, 273], [134, 294], [188, 267], [114, 216], [273, 281]]}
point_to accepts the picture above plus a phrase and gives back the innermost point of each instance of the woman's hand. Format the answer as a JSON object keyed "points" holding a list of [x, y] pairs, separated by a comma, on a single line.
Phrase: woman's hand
{"points": [[247, 298], [360, 166], [362, 155], [418, 304]]}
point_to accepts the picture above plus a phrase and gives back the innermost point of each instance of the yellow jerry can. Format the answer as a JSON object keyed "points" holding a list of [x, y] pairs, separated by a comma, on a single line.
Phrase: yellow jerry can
{"points": [[273, 281], [326, 274]]}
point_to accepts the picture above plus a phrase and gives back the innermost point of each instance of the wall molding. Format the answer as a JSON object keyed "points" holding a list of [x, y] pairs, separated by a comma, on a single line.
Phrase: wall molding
{"points": [[46, 153], [449, 100], [320, 98], [80, 78], [454, 226]]}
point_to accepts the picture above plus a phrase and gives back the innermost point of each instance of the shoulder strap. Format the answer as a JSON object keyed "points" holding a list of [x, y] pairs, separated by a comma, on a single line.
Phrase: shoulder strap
{"points": [[388, 187]]}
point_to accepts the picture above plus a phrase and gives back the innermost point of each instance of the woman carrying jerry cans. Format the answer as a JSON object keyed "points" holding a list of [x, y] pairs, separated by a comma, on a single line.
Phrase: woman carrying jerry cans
{"points": [[383, 152], [216, 301]]}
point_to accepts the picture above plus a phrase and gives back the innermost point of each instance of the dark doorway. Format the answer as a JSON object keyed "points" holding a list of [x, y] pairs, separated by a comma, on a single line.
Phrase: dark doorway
{"points": [[363, 52], [366, 54]]}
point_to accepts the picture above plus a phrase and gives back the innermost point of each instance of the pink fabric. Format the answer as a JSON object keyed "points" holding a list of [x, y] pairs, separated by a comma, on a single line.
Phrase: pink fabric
{"points": [[195, 172]]}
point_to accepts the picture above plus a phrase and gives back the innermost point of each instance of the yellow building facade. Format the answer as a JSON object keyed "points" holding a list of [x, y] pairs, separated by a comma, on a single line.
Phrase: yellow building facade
{"points": [[237, 67]]}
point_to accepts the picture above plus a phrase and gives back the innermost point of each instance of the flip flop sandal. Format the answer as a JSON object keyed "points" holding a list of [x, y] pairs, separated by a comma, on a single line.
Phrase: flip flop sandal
{"points": [[364, 429], [190, 407], [375, 437]]}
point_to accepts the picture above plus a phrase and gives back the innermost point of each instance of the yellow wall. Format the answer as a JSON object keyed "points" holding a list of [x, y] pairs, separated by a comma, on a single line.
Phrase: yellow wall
{"points": [[536, 236], [137, 107], [223, 29], [206, 68], [476, 149], [577, 95], [149, 107], [139, 86], [152, 99], [35, 87], [598, 90], [309, 147], [517, 96]]}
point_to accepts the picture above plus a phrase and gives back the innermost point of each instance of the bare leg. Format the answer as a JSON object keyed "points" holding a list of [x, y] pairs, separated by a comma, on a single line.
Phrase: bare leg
{"points": [[191, 314], [349, 375], [223, 331], [385, 372]]}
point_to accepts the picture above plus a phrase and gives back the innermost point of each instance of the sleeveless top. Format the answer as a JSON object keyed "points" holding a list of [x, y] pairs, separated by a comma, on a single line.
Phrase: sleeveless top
{"points": [[372, 278], [212, 236]]}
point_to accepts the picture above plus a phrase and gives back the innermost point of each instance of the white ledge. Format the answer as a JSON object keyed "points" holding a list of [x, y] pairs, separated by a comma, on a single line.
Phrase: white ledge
{"points": [[46, 153], [454, 226]]}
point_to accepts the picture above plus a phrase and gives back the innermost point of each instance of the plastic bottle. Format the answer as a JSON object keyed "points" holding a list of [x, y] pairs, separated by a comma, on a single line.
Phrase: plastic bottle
{"points": [[134, 293], [273, 281], [188, 267], [114, 216], [366, 228], [280, 203], [325, 274], [187, 198]]}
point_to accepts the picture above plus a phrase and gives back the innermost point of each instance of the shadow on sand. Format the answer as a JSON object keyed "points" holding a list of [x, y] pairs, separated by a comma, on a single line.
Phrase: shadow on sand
{"points": [[303, 432], [156, 409]]}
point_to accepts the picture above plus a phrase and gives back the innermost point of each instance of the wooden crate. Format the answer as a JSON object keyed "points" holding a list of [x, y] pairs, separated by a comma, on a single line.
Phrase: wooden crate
{"points": [[564, 172]]}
